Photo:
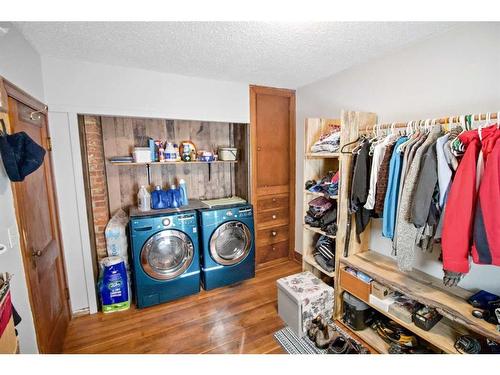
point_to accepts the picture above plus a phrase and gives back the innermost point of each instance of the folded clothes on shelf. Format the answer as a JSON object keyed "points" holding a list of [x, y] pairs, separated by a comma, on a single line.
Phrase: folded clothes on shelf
{"points": [[328, 142], [324, 253], [322, 214], [328, 185]]}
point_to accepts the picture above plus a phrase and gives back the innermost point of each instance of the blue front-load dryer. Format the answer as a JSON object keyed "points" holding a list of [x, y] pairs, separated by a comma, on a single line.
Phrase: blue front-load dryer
{"points": [[165, 257], [228, 246]]}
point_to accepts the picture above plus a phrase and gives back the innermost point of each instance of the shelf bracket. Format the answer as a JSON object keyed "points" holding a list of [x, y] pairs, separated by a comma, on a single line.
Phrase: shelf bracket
{"points": [[148, 170]]}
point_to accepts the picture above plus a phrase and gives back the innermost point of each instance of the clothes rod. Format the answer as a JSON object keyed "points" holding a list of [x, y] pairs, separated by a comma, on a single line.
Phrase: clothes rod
{"points": [[443, 120]]}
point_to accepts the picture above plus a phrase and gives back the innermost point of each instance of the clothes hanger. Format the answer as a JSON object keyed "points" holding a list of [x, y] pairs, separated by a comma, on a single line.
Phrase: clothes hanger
{"points": [[350, 143]]}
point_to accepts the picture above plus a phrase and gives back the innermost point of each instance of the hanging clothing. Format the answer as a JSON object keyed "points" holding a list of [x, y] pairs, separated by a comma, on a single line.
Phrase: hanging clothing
{"points": [[406, 231], [444, 172], [378, 155], [406, 148], [460, 207], [391, 196], [424, 189], [360, 187], [383, 178], [486, 246]]}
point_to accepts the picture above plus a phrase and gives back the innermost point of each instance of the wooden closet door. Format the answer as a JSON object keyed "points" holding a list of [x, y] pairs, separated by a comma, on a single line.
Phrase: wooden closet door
{"points": [[38, 222], [273, 171]]}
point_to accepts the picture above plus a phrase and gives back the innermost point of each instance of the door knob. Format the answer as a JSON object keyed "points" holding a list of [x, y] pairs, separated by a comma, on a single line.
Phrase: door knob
{"points": [[274, 233], [37, 253]]}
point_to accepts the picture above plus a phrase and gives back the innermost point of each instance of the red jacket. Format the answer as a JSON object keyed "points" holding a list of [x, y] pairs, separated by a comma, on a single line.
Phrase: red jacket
{"points": [[486, 247], [464, 221]]}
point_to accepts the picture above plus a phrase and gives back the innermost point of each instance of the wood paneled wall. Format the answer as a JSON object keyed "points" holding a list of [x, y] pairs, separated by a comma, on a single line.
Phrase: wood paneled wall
{"points": [[121, 134]]}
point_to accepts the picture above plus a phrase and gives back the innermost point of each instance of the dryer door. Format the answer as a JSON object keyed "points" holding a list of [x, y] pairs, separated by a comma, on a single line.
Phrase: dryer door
{"points": [[230, 243], [167, 254]]}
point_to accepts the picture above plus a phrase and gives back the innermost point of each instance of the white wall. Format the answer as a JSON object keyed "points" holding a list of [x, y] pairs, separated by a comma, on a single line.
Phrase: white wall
{"points": [[20, 64], [73, 88], [455, 73]]}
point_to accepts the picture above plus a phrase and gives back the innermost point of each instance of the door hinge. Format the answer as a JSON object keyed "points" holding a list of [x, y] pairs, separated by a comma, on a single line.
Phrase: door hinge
{"points": [[49, 144], [66, 292]]}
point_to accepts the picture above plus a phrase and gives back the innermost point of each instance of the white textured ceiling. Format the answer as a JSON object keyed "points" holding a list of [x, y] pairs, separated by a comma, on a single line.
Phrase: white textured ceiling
{"points": [[277, 54]]}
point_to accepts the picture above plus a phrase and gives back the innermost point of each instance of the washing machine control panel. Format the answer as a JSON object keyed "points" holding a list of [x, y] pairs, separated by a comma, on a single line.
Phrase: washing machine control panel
{"points": [[245, 212]]}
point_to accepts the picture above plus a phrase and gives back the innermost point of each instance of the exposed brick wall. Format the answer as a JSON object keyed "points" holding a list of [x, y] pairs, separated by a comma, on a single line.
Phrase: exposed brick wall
{"points": [[97, 181]]}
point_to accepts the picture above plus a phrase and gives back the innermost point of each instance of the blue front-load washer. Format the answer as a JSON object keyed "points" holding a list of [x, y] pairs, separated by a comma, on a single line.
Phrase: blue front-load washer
{"points": [[228, 246], [165, 257]]}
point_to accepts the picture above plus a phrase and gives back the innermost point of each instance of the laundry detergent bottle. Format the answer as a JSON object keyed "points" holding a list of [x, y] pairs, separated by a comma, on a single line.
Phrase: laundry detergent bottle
{"points": [[174, 193], [143, 199], [183, 192]]}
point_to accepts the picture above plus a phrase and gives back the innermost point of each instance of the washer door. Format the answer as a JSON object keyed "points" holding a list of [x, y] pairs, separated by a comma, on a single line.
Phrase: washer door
{"points": [[230, 243], [167, 254]]}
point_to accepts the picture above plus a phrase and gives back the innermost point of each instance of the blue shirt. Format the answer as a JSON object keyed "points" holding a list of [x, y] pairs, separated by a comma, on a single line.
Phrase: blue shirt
{"points": [[391, 196]]}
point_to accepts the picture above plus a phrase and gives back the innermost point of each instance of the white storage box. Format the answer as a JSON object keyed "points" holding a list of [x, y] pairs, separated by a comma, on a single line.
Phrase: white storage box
{"points": [[227, 153], [302, 297], [142, 155], [382, 304]]}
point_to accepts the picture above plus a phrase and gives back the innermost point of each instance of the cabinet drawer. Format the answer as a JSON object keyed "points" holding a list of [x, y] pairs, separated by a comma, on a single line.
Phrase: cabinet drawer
{"points": [[266, 253], [272, 235], [272, 201], [355, 286], [273, 216]]}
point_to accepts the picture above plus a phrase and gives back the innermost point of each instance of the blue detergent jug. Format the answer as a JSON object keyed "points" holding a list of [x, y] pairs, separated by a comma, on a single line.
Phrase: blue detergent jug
{"points": [[175, 197], [159, 199]]}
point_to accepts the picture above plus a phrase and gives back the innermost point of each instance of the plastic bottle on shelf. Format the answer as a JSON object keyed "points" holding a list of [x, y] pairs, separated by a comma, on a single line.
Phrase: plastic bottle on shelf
{"points": [[183, 192], [170, 152], [143, 199], [161, 153], [177, 155], [175, 197]]}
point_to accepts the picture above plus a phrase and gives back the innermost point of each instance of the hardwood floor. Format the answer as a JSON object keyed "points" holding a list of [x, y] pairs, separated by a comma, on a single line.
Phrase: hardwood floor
{"points": [[235, 319]]}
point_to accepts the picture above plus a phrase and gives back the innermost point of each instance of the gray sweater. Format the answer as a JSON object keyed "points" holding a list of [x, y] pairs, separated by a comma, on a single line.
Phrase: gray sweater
{"points": [[406, 231]]}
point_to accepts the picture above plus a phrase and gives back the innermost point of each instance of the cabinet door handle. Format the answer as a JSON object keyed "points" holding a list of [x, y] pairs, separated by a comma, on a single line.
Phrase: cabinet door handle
{"points": [[273, 248], [274, 200], [274, 217], [274, 233], [259, 148], [37, 253]]}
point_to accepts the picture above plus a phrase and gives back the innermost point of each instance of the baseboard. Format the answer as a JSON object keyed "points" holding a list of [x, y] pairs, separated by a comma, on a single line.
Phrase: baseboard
{"points": [[81, 312]]}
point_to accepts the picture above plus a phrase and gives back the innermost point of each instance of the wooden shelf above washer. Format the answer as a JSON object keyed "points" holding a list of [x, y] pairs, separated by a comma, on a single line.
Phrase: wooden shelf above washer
{"points": [[125, 163]]}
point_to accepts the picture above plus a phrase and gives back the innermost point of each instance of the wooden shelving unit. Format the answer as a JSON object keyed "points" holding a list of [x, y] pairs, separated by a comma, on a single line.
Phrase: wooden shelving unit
{"points": [[316, 165], [451, 303]]}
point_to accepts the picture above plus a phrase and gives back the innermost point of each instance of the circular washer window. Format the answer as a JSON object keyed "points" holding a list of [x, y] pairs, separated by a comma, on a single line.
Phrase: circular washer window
{"points": [[167, 254], [230, 243]]}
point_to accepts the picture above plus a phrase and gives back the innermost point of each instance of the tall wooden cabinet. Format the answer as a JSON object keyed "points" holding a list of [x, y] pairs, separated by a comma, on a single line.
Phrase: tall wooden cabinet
{"points": [[272, 118]]}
